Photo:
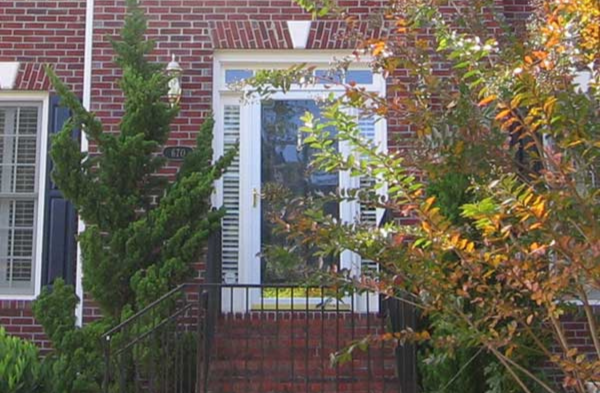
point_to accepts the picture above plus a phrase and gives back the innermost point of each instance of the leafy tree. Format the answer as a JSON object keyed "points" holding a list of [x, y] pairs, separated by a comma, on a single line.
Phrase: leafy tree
{"points": [[142, 232], [508, 234]]}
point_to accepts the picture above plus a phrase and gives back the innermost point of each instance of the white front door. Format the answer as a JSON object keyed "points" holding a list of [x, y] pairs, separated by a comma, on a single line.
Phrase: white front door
{"points": [[274, 157], [271, 154]]}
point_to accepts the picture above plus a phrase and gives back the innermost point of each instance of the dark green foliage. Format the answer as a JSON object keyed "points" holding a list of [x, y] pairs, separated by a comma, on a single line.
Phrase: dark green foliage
{"points": [[54, 309], [451, 191], [20, 370], [142, 232], [76, 363], [461, 372]]}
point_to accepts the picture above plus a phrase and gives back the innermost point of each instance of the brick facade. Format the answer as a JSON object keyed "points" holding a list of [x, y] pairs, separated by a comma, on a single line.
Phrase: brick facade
{"points": [[37, 32], [17, 319], [298, 347]]}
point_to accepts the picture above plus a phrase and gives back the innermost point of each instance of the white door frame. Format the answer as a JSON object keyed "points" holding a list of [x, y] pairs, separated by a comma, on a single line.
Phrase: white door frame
{"points": [[249, 267]]}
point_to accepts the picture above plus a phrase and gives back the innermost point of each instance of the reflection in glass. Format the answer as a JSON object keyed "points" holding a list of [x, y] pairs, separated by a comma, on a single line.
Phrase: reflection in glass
{"points": [[234, 76], [360, 76], [285, 167]]}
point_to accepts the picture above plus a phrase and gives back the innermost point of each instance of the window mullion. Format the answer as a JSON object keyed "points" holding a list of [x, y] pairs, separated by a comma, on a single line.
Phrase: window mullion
{"points": [[15, 150]]}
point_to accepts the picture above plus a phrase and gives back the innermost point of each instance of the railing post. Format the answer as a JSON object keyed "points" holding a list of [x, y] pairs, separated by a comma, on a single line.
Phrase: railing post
{"points": [[208, 306], [205, 322], [213, 273], [199, 343], [403, 316]]}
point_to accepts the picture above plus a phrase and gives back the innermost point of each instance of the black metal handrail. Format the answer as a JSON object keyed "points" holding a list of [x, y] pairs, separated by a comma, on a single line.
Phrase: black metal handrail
{"points": [[145, 352], [230, 337], [143, 311], [279, 341]]}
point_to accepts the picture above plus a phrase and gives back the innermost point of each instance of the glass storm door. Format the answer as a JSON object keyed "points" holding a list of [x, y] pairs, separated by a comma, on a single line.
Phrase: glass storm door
{"points": [[273, 159], [285, 171]]}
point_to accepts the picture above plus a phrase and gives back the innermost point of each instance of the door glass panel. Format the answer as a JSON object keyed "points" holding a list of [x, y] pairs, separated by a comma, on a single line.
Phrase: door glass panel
{"points": [[285, 168]]}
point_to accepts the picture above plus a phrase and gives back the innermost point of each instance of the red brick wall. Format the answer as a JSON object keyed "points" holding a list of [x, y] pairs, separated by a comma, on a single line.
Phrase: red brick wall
{"points": [[578, 335], [37, 32], [17, 319], [517, 11], [288, 352]]}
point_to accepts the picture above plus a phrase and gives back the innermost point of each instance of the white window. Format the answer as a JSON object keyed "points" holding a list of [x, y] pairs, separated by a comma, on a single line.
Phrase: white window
{"points": [[21, 143], [268, 135]]}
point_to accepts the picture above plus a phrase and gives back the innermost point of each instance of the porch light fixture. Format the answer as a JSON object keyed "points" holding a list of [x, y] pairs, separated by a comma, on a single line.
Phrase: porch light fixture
{"points": [[174, 71]]}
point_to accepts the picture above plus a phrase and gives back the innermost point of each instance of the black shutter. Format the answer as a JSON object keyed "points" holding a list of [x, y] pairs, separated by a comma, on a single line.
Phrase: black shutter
{"points": [[59, 253]]}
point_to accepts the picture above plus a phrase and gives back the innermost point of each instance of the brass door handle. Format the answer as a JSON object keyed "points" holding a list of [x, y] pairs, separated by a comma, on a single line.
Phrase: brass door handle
{"points": [[255, 197]]}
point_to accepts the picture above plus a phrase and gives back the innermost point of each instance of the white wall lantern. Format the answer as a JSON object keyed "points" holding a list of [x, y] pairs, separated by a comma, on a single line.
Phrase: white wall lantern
{"points": [[174, 71]]}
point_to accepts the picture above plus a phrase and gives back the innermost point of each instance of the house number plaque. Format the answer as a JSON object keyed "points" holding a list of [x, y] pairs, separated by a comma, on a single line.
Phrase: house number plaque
{"points": [[176, 153]]}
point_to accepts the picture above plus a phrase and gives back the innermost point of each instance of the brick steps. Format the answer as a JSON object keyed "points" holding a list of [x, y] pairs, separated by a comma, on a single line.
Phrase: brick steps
{"points": [[278, 356], [301, 386]]}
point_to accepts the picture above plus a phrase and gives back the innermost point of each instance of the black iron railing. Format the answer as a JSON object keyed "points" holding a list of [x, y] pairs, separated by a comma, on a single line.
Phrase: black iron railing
{"points": [[155, 350], [255, 338], [281, 338], [221, 338]]}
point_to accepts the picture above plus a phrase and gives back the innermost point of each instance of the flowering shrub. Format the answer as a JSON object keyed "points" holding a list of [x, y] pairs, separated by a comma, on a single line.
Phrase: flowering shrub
{"points": [[500, 271]]}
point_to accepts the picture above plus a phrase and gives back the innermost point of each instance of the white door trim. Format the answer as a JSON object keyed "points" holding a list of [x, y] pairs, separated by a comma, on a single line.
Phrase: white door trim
{"points": [[249, 267]]}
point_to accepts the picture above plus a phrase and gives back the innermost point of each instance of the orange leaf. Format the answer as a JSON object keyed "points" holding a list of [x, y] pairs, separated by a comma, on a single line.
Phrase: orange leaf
{"points": [[379, 47], [530, 319], [429, 202], [426, 227], [503, 114], [487, 100]]}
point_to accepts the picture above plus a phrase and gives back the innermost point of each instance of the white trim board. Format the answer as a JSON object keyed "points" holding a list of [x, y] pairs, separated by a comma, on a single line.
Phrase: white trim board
{"points": [[87, 103]]}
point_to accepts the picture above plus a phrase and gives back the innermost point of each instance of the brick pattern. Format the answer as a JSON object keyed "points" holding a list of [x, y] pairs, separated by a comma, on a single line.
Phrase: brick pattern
{"points": [[32, 76], [517, 12], [288, 352], [91, 310], [325, 34], [578, 335], [251, 35], [37, 32], [17, 319]]}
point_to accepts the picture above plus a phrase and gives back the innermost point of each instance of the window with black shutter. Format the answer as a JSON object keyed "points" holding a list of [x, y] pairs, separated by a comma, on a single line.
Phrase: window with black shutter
{"points": [[37, 225], [60, 220]]}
